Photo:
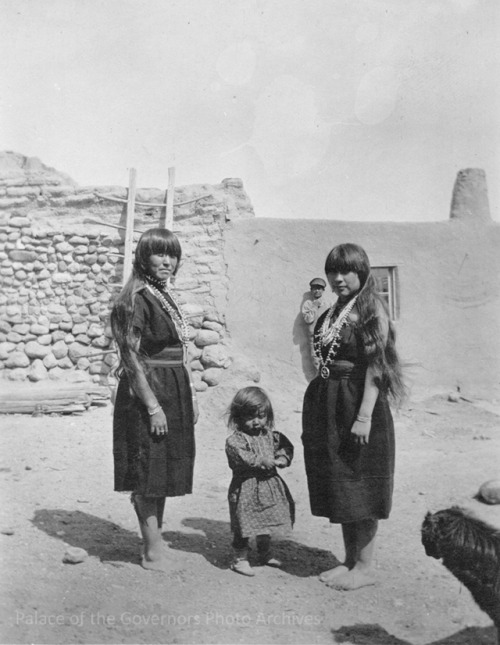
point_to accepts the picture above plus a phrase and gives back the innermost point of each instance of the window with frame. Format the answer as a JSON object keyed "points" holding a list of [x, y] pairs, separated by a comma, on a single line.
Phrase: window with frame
{"points": [[387, 287]]}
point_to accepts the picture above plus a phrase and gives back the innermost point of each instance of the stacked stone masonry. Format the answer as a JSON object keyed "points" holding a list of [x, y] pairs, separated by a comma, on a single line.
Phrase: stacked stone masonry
{"points": [[61, 266]]}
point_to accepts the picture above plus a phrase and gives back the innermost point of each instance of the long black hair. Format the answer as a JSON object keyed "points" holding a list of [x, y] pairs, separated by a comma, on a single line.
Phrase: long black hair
{"points": [[155, 241], [380, 352], [248, 403]]}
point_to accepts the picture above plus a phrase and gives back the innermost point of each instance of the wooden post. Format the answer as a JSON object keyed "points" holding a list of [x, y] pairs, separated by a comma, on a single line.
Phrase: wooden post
{"points": [[169, 214], [129, 228]]}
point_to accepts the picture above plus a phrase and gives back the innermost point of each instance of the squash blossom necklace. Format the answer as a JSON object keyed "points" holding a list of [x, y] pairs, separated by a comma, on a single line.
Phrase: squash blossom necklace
{"points": [[329, 334], [158, 288]]}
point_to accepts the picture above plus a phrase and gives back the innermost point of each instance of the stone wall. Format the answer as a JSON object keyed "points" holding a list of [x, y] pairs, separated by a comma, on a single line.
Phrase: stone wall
{"points": [[243, 280], [61, 265]]}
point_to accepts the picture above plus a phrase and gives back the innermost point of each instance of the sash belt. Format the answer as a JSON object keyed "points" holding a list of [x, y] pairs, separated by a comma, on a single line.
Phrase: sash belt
{"points": [[168, 357], [346, 370]]}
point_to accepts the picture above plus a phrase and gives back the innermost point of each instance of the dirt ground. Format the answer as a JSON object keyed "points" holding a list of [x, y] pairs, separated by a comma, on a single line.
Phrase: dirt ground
{"points": [[57, 485]]}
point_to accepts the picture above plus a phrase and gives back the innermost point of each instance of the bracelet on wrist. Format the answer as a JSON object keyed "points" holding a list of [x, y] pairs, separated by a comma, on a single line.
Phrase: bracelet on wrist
{"points": [[363, 419], [154, 410]]}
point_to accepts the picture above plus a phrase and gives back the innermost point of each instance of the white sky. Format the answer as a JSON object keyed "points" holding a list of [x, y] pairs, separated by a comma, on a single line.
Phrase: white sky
{"points": [[336, 109]]}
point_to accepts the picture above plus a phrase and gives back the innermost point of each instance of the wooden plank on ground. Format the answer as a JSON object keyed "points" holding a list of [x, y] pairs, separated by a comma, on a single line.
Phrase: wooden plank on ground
{"points": [[44, 398], [31, 406]]}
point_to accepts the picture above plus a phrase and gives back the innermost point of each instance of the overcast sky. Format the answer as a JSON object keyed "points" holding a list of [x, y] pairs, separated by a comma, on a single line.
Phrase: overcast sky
{"points": [[337, 109]]}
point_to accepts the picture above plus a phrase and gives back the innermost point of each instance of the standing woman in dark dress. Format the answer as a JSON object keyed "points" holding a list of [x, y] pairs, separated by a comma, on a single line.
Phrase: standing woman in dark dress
{"points": [[348, 432], [155, 408]]}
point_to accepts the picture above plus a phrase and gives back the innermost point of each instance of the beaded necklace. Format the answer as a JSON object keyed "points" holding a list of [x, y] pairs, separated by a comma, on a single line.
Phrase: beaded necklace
{"points": [[156, 282], [175, 313], [329, 334]]}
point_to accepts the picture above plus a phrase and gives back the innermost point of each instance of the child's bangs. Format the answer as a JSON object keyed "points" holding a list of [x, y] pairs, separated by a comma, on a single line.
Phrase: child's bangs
{"points": [[256, 410], [248, 403]]}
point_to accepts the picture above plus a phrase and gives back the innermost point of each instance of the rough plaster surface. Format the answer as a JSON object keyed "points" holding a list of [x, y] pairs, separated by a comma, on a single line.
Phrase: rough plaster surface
{"points": [[448, 290], [256, 271]]}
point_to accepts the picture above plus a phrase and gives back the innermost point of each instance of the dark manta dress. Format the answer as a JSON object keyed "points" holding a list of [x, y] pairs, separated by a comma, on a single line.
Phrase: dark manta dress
{"points": [[347, 482], [150, 465]]}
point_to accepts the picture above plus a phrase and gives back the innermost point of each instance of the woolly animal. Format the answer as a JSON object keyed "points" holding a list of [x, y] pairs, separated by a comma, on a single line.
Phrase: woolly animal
{"points": [[470, 550]]}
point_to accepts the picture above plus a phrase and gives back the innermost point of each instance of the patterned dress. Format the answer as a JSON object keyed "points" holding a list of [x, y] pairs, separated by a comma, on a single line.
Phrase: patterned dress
{"points": [[347, 482], [151, 465], [259, 500]]}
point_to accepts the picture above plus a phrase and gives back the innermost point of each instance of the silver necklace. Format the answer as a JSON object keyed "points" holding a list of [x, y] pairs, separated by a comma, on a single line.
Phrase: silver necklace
{"points": [[329, 334], [175, 313]]}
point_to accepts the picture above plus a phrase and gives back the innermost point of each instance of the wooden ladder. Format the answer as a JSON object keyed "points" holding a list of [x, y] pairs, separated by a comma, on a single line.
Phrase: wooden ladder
{"points": [[167, 221], [166, 217]]}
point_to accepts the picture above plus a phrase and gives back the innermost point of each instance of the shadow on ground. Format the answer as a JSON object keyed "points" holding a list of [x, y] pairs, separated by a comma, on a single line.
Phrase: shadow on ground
{"points": [[377, 635], [366, 635], [212, 539], [101, 538], [470, 636]]}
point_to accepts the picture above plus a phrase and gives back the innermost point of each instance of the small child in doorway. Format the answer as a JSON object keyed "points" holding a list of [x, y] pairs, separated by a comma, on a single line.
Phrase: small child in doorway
{"points": [[259, 500]]}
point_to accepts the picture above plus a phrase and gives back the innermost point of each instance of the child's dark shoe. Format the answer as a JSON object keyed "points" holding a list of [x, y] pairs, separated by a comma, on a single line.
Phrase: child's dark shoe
{"points": [[264, 551], [243, 567]]}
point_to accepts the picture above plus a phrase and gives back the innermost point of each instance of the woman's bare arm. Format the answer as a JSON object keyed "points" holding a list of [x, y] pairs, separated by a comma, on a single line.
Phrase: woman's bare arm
{"points": [[144, 392]]}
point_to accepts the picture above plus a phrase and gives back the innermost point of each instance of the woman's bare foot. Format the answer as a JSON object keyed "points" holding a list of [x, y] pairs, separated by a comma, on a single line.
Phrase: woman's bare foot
{"points": [[155, 565], [331, 574], [154, 560], [353, 579]]}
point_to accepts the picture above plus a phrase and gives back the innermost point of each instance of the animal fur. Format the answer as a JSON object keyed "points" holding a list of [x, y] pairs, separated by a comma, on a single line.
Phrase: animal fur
{"points": [[470, 550]]}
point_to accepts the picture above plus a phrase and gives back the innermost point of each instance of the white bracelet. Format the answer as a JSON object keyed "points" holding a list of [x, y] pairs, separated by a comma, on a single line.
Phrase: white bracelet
{"points": [[363, 419], [154, 410]]}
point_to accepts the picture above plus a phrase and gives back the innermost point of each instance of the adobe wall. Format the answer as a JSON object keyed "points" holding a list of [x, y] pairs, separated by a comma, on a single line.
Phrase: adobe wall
{"points": [[448, 284], [243, 281], [61, 260]]}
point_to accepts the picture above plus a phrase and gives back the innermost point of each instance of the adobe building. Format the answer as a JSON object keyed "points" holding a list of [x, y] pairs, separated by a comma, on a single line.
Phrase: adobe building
{"points": [[243, 280], [443, 279]]}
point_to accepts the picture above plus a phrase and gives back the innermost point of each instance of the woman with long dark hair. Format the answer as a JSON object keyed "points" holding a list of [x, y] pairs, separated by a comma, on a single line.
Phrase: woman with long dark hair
{"points": [[155, 408], [348, 431]]}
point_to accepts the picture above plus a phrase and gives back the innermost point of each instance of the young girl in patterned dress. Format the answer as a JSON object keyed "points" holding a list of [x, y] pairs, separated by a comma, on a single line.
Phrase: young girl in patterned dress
{"points": [[259, 500]]}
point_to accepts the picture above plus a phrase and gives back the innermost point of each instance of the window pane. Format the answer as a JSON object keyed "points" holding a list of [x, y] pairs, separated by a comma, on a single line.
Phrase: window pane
{"points": [[381, 276], [385, 298], [385, 284]]}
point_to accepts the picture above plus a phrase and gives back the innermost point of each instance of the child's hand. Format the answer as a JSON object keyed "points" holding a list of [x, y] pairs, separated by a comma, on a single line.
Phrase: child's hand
{"points": [[267, 462], [281, 462]]}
